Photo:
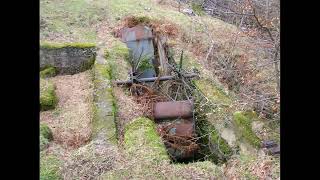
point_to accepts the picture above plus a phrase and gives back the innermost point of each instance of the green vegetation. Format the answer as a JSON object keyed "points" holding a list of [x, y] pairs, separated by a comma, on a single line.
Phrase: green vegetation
{"points": [[197, 9], [49, 167], [103, 118], [118, 60], [81, 20], [48, 72], [45, 136], [215, 94], [144, 64], [142, 141], [48, 98], [44, 142], [216, 147], [45, 131], [243, 122], [52, 45]]}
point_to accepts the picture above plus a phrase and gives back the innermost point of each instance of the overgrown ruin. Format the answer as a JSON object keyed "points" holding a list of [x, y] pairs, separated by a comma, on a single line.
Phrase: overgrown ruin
{"points": [[130, 90], [166, 91]]}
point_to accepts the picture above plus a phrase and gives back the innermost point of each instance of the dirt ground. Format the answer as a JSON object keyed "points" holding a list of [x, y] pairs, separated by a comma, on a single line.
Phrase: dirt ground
{"points": [[71, 120]]}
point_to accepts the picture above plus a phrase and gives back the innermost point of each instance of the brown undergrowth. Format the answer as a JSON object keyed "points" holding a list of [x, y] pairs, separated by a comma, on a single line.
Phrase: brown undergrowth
{"points": [[159, 27], [71, 120]]}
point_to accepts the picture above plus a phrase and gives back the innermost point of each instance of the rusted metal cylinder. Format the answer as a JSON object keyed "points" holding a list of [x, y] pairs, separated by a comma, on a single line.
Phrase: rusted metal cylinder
{"points": [[173, 109]]}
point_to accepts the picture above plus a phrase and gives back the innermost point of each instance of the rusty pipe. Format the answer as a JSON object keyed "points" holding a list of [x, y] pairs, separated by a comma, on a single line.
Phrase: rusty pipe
{"points": [[173, 109], [162, 78]]}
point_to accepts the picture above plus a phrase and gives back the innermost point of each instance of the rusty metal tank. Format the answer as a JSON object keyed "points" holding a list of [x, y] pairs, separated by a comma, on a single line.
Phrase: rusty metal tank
{"points": [[139, 40], [178, 128]]}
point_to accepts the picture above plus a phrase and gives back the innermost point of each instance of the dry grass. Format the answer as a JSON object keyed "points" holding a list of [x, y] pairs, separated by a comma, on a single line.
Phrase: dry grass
{"points": [[260, 166], [71, 120], [160, 27], [128, 110], [91, 160]]}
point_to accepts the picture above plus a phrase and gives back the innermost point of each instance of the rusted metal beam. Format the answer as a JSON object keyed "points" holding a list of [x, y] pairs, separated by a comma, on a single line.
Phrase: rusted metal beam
{"points": [[162, 78]]}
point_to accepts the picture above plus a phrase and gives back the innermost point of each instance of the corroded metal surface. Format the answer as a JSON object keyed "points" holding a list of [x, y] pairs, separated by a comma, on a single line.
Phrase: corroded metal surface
{"points": [[139, 41], [173, 109]]}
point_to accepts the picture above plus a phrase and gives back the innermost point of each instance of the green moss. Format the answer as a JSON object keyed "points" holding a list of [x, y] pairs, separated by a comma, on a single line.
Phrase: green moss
{"points": [[214, 93], [243, 123], [106, 53], [49, 167], [48, 72], [120, 49], [51, 45], [142, 141], [197, 9], [48, 98], [118, 61], [216, 147], [44, 142], [46, 131], [104, 119]]}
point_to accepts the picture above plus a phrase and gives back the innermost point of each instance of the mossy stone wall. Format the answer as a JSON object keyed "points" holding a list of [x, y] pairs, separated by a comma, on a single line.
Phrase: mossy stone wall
{"points": [[67, 58]]}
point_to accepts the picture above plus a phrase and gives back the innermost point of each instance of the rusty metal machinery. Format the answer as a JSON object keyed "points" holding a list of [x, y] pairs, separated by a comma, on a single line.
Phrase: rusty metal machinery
{"points": [[176, 124]]}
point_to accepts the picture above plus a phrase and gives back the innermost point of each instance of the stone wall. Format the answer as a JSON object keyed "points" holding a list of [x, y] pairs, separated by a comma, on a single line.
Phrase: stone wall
{"points": [[67, 58]]}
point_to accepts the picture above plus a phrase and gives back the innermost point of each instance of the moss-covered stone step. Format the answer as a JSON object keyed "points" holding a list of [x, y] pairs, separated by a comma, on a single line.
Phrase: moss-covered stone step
{"points": [[48, 72], [243, 123], [48, 98]]}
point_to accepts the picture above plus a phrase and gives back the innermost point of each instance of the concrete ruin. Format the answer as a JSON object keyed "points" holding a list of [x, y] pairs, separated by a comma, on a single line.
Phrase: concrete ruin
{"points": [[67, 58]]}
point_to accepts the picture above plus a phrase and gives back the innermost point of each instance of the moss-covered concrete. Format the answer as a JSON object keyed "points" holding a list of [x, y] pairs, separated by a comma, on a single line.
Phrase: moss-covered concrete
{"points": [[142, 141], [48, 72], [105, 109], [67, 58], [211, 91], [49, 167], [216, 148], [209, 116], [48, 98], [243, 122], [53, 45], [109, 66]]}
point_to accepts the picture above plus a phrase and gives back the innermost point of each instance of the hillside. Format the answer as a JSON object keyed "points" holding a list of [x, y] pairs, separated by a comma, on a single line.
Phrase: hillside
{"points": [[98, 130]]}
